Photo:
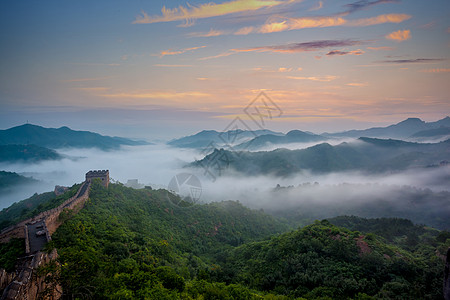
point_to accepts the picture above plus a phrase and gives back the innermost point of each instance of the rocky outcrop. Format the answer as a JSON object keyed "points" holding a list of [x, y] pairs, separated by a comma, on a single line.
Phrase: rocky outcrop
{"points": [[5, 279], [27, 284]]}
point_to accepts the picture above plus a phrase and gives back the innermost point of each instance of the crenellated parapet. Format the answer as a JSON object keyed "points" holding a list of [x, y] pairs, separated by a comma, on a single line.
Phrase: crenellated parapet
{"points": [[103, 175]]}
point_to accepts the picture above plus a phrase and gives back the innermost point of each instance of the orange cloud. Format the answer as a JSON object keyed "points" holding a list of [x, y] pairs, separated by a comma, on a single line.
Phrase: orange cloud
{"points": [[436, 71], [399, 36], [274, 27], [210, 33], [282, 70], [190, 12], [326, 78], [381, 19], [357, 84], [284, 24], [300, 23], [380, 48], [245, 30], [156, 95], [176, 52]]}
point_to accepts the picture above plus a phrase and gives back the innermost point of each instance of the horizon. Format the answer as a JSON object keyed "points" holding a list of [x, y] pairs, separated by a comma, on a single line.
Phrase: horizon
{"points": [[147, 70], [207, 129]]}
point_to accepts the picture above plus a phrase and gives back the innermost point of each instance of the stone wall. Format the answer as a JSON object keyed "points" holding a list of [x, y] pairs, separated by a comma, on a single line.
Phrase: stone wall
{"points": [[26, 284], [22, 284], [18, 230]]}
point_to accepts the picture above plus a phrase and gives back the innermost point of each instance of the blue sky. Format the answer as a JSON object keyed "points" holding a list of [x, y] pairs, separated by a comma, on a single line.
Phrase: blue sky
{"points": [[127, 68]]}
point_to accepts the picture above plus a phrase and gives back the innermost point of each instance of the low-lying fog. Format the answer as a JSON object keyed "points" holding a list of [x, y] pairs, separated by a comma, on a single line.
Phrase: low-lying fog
{"points": [[156, 165]]}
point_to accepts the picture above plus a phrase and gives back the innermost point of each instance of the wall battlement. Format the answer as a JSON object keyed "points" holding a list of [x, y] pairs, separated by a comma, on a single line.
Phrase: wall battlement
{"points": [[103, 175]]}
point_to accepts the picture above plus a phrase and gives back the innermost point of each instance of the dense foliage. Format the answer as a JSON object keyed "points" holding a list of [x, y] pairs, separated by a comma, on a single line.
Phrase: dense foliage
{"points": [[322, 260], [9, 252], [26, 153], [135, 244], [131, 244], [32, 206]]}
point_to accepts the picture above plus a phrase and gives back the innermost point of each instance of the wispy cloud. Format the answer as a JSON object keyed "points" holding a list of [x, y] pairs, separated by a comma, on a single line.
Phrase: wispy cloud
{"points": [[300, 23], [357, 84], [224, 54], [290, 48], [412, 61], [156, 95], [301, 47], [436, 71], [399, 36], [318, 6], [172, 66], [339, 52], [176, 52], [381, 19], [326, 78], [380, 48], [244, 30], [278, 24], [363, 4], [189, 13], [210, 33]]}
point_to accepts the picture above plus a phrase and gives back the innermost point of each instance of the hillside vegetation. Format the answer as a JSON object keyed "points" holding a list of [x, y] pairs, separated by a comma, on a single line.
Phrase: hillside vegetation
{"points": [[135, 244], [62, 137], [32, 206], [26, 153]]}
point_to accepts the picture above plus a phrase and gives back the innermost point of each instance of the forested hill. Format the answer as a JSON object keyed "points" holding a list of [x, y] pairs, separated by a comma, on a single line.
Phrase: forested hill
{"points": [[367, 154], [62, 137], [322, 261], [136, 244], [26, 153]]}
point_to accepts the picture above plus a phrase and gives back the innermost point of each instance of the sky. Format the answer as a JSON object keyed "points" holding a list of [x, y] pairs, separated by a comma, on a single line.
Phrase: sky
{"points": [[159, 69]]}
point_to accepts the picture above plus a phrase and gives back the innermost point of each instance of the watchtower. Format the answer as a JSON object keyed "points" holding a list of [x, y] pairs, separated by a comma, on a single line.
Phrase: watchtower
{"points": [[103, 175]]}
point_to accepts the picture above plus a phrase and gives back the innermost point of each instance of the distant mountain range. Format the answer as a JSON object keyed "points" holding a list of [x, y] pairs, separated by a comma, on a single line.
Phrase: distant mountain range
{"points": [[413, 129], [405, 129], [205, 138], [293, 136], [26, 153], [62, 137], [367, 154], [9, 180]]}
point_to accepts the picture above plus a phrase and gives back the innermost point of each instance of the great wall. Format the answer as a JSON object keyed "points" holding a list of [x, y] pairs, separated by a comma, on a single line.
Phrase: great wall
{"points": [[37, 231], [24, 283]]}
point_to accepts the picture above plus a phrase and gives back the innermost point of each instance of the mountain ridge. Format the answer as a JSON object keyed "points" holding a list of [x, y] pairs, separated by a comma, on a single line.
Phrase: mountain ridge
{"points": [[62, 137]]}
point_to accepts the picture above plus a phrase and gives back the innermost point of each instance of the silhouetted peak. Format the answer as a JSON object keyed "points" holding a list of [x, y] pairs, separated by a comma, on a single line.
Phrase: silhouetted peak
{"points": [[411, 121], [296, 133]]}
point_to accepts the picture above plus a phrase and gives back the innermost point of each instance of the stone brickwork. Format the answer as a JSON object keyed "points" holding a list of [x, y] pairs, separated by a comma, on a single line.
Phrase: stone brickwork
{"points": [[28, 286], [22, 284], [103, 175]]}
